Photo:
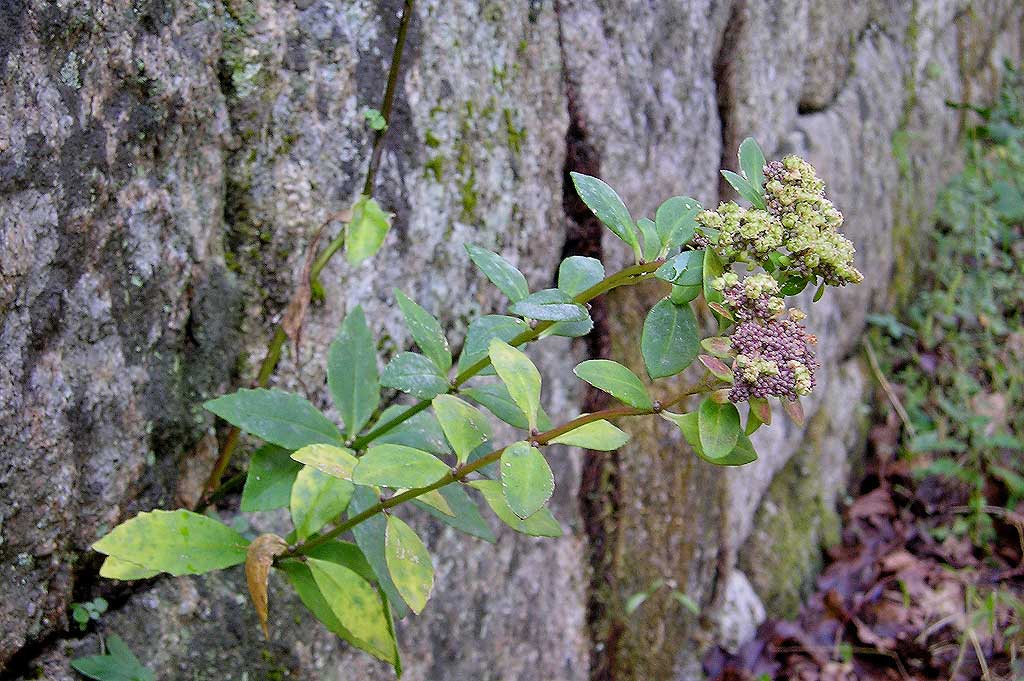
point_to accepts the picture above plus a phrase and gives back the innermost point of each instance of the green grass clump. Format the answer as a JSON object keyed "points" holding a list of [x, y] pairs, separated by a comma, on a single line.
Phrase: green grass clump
{"points": [[958, 348]]}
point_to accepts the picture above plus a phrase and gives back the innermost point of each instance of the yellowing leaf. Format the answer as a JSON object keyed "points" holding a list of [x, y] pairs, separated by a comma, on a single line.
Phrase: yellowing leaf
{"points": [[434, 499], [599, 436], [316, 500], [259, 558], [357, 605], [179, 542], [366, 231], [118, 568], [519, 375], [336, 462], [540, 524], [465, 426], [409, 563]]}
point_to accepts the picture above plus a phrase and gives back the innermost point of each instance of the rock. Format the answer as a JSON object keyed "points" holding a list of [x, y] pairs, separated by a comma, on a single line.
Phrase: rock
{"points": [[165, 165], [740, 613]]}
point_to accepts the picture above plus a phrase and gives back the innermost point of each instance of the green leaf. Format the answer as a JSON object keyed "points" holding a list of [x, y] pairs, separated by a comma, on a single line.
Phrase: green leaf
{"points": [[676, 221], [344, 553], [317, 499], [489, 470], [599, 436], [119, 664], [794, 285], [480, 333], [365, 233], [496, 399], [540, 524], [743, 453], [686, 602], [752, 164], [719, 428], [466, 516], [355, 603], [301, 579], [685, 269], [415, 374], [420, 431], [635, 601], [179, 542], [464, 426], [409, 563], [501, 272], [552, 305], [526, 479], [398, 466], [578, 273], [569, 329], [616, 380], [118, 568], [744, 189], [520, 376], [337, 462], [819, 293], [369, 535], [426, 331], [651, 239], [681, 295], [669, 341], [268, 484], [280, 418], [608, 207], [352, 372]]}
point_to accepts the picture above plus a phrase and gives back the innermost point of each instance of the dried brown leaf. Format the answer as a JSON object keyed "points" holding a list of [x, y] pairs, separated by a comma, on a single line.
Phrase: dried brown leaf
{"points": [[794, 410], [259, 558]]}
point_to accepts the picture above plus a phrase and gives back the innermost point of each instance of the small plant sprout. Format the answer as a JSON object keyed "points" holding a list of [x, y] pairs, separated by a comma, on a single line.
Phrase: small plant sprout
{"points": [[426, 443], [83, 613], [375, 119]]}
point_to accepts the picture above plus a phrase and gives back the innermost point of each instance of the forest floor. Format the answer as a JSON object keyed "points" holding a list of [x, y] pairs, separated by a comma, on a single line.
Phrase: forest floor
{"points": [[928, 580]]}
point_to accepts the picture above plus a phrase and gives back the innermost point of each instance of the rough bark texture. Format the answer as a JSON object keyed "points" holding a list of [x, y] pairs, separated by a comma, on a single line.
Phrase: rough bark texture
{"points": [[164, 165]]}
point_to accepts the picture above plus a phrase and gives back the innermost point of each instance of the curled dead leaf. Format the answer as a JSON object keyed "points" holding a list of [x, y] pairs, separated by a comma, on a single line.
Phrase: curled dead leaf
{"points": [[295, 314], [794, 410], [259, 558]]}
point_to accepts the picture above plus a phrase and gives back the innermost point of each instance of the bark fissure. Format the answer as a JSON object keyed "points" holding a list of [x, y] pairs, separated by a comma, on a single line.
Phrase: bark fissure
{"points": [[599, 495]]}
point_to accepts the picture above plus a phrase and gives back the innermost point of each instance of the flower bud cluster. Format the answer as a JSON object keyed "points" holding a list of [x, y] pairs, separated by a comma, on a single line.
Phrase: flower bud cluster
{"points": [[773, 355], [756, 297], [796, 197], [743, 231], [799, 219], [774, 358]]}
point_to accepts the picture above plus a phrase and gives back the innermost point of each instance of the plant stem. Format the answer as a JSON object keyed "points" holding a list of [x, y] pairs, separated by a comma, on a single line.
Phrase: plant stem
{"points": [[273, 355], [629, 275], [462, 472], [389, 99]]}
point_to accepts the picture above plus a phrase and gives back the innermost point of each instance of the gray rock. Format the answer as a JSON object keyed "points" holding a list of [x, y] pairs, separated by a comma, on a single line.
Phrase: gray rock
{"points": [[165, 165]]}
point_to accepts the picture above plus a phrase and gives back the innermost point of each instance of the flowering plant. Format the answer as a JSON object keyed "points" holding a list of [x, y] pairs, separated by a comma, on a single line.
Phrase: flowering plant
{"points": [[354, 562]]}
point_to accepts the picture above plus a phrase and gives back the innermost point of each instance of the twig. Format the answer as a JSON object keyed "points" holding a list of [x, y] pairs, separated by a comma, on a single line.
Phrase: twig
{"points": [[887, 387], [273, 355], [462, 472]]}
